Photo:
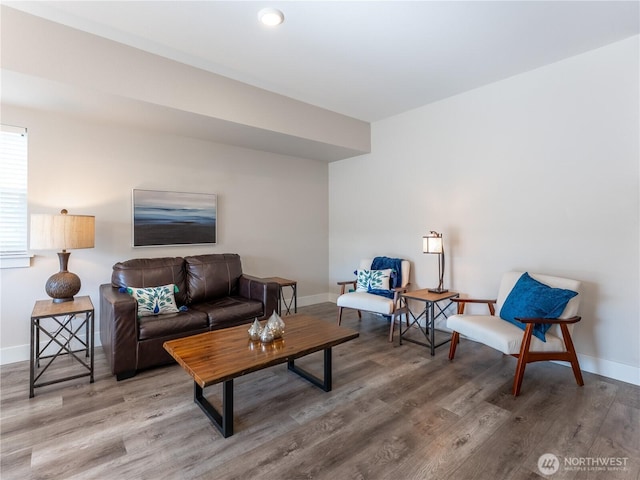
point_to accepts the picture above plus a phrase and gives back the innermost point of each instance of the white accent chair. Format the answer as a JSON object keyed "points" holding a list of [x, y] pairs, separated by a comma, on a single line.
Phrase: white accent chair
{"points": [[393, 308], [493, 331]]}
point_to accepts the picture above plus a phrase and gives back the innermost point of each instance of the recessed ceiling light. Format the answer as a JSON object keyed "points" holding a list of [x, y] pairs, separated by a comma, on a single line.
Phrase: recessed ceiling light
{"points": [[271, 17]]}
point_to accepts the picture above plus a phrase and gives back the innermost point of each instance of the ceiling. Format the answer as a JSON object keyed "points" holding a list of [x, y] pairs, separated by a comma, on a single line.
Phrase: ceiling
{"points": [[364, 59]]}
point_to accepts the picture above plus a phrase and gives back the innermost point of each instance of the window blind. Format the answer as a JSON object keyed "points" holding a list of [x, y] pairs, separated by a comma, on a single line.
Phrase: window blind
{"points": [[13, 191]]}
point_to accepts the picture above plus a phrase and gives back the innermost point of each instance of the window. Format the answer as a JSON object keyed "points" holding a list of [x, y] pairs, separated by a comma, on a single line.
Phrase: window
{"points": [[13, 197]]}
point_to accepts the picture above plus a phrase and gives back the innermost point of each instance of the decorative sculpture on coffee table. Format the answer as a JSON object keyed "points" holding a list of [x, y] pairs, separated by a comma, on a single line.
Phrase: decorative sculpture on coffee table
{"points": [[266, 336], [255, 330], [274, 328]]}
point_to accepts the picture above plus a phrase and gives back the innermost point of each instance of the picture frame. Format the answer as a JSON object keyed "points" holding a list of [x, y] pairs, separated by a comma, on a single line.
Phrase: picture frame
{"points": [[164, 218]]}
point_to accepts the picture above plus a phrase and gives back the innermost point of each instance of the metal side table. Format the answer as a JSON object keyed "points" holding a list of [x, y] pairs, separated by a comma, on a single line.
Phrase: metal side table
{"points": [[431, 301], [68, 329], [288, 303]]}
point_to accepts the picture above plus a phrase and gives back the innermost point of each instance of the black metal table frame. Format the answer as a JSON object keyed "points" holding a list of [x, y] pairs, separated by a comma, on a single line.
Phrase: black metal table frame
{"points": [[429, 331], [64, 325], [223, 420], [293, 301]]}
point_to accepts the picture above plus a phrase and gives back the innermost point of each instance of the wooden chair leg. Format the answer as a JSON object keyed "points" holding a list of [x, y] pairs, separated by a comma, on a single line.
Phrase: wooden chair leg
{"points": [[523, 358], [339, 315], [568, 343], [398, 315], [455, 337], [359, 315]]}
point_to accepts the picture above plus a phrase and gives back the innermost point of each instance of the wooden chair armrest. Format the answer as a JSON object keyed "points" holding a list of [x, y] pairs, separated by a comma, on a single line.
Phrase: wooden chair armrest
{"points": [[400, 289], [345, 283], [550, 320], [472, 300], [462, 303], [397, 291]]}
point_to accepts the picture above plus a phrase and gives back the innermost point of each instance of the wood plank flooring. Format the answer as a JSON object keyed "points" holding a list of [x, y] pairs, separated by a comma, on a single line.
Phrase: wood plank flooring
{"points": [[394, 412]]}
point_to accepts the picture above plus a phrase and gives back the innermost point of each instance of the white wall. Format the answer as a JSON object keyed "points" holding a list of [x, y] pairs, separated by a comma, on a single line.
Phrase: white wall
{"points": [[538, 172], [272, 209]]}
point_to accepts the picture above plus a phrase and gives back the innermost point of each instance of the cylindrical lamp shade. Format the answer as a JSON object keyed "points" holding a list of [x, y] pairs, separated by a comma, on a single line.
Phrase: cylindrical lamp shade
{"points": [[432, 244], [52, 232]]}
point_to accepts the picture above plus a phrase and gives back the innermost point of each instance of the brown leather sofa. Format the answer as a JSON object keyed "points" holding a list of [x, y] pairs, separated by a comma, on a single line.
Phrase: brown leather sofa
{"points": [[213, 289]]}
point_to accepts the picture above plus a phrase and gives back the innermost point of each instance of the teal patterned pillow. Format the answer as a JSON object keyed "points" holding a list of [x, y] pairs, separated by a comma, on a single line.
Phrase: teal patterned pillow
{"points": [[155, 300], [372, 280]]}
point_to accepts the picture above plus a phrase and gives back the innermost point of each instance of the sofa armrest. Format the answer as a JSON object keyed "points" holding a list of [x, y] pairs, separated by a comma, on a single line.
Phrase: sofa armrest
{"points": [[260, 289], [119, 330]]}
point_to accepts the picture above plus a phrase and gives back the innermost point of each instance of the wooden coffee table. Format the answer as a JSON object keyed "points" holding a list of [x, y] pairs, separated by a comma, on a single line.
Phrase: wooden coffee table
{"points": [[222, 355]]}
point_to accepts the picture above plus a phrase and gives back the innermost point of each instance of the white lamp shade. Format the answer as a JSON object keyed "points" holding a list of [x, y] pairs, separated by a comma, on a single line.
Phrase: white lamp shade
{"points": [[53, 232], [432, 244]]}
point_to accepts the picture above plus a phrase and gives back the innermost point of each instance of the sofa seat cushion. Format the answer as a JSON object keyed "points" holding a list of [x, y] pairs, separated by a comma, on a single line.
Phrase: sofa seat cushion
{"points": [[230, 311], [157, 326]]}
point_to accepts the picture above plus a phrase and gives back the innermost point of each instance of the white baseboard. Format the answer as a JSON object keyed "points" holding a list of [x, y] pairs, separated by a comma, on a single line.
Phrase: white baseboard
{"points": [[21, 353], [607, 368], [18, 353], [315, 299]]}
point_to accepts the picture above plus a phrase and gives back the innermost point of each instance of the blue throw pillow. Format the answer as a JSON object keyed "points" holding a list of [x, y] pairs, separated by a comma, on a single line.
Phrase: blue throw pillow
{"points": [[532, 299]]}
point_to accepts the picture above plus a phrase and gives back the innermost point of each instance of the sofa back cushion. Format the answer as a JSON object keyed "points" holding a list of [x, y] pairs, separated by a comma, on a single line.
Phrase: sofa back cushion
{"points": [[212, 276], [152, 272]]}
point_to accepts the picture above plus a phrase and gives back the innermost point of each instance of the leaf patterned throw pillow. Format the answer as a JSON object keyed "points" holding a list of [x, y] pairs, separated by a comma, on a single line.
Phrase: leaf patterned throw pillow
{"points": [[372, 280], [155, 300]]}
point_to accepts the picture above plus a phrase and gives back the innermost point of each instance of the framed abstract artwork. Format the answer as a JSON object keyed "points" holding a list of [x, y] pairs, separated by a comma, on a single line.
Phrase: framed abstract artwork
{"points": [[173, 218]]}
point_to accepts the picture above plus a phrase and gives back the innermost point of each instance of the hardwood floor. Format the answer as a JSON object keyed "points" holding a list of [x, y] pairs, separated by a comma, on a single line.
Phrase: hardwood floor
{"points": [[394, 412]]}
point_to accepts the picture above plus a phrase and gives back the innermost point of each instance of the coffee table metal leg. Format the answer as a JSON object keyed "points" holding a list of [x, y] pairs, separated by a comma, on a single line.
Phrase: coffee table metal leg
{"points": [[323, 384], [222, 421]]}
